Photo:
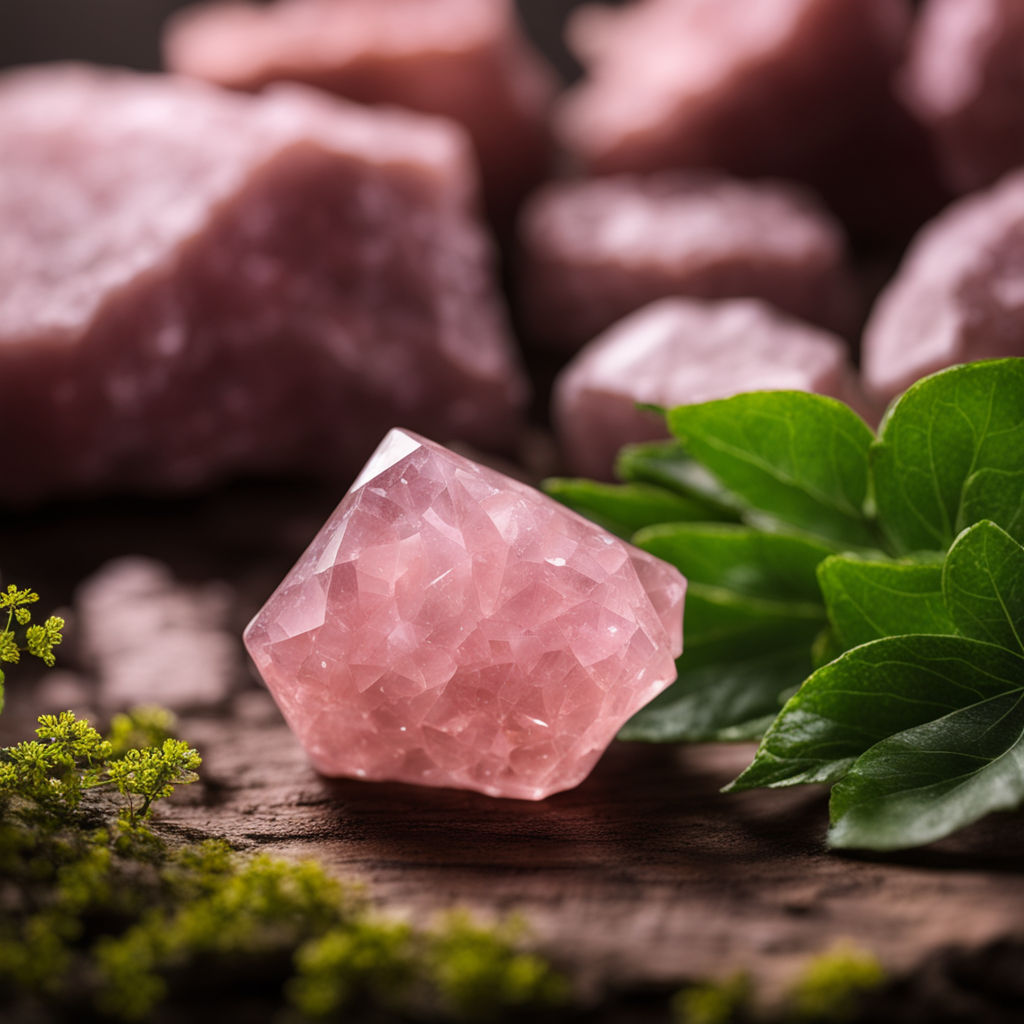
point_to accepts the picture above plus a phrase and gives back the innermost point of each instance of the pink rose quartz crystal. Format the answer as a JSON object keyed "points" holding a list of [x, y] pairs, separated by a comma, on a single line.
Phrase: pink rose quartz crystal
{"points": [[596, 250], [450, 626], [463, 59], [679, 351], [797, 89], [195, 282], [957, 296], [964, 78]]}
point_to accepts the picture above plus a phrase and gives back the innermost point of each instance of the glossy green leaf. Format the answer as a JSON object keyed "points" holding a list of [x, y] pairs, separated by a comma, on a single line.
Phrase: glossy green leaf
{"points": [[741, 654], [625, 508], [925, 783], [983, 583], [774, 566], [870, 600], [870, 693], [665, 464], [790, 456], [951, 453], [728, 701], [720, 625]]}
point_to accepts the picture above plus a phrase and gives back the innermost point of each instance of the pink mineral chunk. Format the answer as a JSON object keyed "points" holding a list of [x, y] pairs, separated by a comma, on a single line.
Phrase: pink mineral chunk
{"points": [[965, 79], [464, 59], [450, 626], [679, 351], [795, 88], [957, 296], [596, 250], [195, 282]]}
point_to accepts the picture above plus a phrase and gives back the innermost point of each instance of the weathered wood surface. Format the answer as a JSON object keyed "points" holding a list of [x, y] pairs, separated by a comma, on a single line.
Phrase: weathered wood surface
{"points": [[644, 875]]}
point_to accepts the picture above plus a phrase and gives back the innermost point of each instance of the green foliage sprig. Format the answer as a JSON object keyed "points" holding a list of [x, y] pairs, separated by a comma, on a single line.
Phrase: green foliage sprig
{"points": [[891, 564], [100, 911], [103, 911], [45, 780], [20, 635]]}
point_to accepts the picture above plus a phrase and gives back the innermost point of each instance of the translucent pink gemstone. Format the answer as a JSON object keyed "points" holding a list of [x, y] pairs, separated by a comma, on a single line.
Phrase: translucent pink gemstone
{"points": [[450, 626]]}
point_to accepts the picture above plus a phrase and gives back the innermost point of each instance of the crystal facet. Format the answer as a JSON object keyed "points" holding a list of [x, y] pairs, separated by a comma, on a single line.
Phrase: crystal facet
{"points": [[450, 626]]}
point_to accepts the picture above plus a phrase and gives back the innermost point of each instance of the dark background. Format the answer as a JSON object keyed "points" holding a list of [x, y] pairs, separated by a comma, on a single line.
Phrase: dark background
{"points": [[127, 32]]}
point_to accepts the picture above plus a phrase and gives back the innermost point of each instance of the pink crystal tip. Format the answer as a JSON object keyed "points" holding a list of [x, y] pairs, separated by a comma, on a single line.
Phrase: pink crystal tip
{"points": [[450, 626]]}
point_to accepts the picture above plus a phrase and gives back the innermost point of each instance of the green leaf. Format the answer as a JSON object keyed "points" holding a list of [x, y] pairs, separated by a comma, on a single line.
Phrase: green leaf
{"points": [[739, 558], [826, 648], [741, 654], [870, 600], [666, 464], [983, 583], [625, 508], [728, 701], [925, 783], [752, 612], [721, 625], [790, 456], [870, 693], [950, 453]]}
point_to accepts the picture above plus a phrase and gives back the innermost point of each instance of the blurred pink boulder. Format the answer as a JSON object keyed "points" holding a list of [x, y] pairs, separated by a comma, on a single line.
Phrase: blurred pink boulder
{"points": [[463, 59], [958, 294], [677, 352], [964, 79], [596, 250], [795, 88], [195, 283]]}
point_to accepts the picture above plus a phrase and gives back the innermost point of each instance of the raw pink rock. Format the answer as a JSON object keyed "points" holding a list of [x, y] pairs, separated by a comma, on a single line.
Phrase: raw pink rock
{"points": [[964, 79], [450, 626], [791, 88], [958, 294], [464, 59], [195, 282], [679, 351], [596, 250]]}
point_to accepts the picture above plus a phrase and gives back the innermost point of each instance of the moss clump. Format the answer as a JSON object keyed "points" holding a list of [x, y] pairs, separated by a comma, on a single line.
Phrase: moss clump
{"points": [[832, 986], [102, 915], [829, 990], [721, 1002], [455, 971]]}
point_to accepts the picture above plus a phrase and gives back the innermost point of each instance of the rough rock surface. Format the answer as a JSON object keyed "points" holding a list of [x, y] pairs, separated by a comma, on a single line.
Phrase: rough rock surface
{"points": [[596, 250], [679, 351], [964, 78], [460, 58], [453, 627], [795, 88], [194, 282], [957, 296]]}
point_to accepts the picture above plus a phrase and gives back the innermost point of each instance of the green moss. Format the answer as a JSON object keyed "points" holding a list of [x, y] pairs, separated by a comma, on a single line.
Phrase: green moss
{"points": [[478, 970], [721, 1002], [101, 910], [832, 985], [140, 727]]}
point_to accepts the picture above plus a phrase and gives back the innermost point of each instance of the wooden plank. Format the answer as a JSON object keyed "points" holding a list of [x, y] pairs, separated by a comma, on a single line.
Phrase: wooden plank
{"points": [[644, 875]]}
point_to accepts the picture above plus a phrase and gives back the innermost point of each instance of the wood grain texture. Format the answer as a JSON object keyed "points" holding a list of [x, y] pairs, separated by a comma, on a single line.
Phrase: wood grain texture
{"points": [[644, 876]]}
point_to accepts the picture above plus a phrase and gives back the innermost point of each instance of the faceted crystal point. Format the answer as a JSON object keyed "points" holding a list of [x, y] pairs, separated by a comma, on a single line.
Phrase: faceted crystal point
{"points": [[450, 626]]}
